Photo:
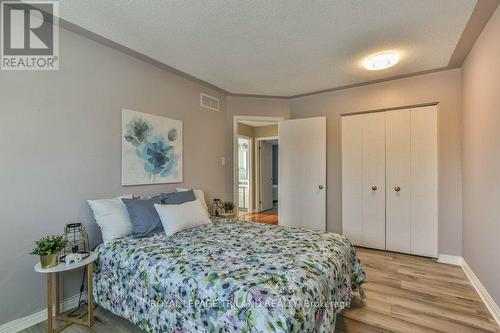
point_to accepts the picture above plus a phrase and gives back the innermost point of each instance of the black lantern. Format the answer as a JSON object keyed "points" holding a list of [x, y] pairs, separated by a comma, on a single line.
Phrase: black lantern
{"points": [[217, 207], [77, 240]]}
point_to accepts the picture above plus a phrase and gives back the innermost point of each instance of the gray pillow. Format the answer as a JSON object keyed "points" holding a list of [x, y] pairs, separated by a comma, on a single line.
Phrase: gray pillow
{"points": [[177, 198], [143, 215]]}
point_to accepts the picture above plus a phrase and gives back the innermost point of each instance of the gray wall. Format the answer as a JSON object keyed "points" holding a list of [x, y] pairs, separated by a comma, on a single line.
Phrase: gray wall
{"points": [[442, 87], [481, 157], [60, 144]]}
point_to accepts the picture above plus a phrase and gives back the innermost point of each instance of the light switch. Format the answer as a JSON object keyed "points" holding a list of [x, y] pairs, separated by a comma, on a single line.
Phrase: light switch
{"points": [[222, 161]]}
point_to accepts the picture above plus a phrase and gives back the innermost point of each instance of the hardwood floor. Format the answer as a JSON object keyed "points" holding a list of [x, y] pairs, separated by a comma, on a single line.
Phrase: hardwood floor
{"points": [[413, 294], [268, 216], [105, 322], [404, 294]]}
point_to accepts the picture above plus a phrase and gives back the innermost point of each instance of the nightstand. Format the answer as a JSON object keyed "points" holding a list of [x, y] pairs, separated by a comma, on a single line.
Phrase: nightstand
{"points": [[62, 267]]}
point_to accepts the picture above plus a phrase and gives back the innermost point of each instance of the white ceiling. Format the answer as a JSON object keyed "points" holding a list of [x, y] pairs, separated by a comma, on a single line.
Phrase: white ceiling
{"points": [[279, 47]]}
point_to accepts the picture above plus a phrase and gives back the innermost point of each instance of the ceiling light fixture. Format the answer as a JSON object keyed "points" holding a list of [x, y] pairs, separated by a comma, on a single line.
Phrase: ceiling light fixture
{"points": [[381, 61]]}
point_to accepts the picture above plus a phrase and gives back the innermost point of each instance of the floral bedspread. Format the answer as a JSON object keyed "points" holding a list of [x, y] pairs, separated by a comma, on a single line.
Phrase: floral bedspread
{"points": [[229, 276]]}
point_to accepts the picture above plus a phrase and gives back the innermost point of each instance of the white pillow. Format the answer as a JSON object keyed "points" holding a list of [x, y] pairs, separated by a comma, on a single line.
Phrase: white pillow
{"points": [[198, 194], [112, 217], [176, 218]]}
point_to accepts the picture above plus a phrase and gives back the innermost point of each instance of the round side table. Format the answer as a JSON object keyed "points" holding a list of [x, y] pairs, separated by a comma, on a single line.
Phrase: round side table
{"points": [[63, 267]]}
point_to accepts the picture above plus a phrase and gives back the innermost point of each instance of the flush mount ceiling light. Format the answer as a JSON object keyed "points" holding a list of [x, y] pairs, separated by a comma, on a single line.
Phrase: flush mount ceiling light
{"points": [[381, 61]]}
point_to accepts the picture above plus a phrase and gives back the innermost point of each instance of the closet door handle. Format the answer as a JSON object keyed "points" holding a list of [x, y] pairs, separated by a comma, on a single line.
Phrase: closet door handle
{"points": [[374, 188], [397, 189]]}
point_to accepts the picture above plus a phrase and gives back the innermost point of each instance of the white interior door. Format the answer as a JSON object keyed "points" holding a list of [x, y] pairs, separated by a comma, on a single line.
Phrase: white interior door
{"points": [[424, 181], [373, 191], [302, 173], [266, 175], [398, 181], [352, 178]]}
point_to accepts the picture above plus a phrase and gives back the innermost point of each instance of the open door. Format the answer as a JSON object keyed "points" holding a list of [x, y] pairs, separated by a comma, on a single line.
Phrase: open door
{"points": [[302, 173], [266, 176]]}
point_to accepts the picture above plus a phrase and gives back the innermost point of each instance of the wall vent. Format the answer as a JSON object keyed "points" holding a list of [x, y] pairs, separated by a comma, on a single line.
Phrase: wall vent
{"points": [[209, 102]]}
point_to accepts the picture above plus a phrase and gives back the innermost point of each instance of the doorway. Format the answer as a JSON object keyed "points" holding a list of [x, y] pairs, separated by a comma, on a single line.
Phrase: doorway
{"points": [[267, 186], [301, 170], [255, 177]]}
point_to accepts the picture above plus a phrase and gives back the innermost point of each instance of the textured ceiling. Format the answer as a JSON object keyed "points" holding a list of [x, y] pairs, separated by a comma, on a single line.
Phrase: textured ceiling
{"points": [[279, 47]]}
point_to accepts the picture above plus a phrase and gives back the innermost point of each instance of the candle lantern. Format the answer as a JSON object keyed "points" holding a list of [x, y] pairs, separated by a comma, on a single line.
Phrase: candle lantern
{"points": [[77, 240], [217, 207]]}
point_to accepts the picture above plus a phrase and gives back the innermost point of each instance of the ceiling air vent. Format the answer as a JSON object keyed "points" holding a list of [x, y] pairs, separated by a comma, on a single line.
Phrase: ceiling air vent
{"points": [[209, 102]]}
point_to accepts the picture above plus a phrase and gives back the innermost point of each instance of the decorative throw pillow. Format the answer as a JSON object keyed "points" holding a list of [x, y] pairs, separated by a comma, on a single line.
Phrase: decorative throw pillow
{"points": [[176, 218], [143, 215], [199, 194], [112, 217], [177, 198]]}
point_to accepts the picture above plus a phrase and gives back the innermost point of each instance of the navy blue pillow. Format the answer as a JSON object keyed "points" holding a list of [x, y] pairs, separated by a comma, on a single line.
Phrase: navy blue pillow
{"points": [[177, 198], [145, 220]]}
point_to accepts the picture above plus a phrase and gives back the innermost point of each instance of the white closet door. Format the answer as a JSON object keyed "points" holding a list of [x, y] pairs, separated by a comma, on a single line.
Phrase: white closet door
{"points": [[398, 181], [352, 178], [424, 177], [373, 188]]}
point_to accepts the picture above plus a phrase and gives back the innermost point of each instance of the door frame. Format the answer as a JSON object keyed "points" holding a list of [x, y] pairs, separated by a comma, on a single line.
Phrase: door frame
{"points": [[250, 171], [237, 119], [258, 180]]}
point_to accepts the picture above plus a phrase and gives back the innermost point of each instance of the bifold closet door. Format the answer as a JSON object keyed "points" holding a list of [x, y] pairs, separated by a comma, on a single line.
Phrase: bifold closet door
{"points": [[424, 181], [373, 188], [352, 178], [363, 179], [389, 180], [398, 180]]}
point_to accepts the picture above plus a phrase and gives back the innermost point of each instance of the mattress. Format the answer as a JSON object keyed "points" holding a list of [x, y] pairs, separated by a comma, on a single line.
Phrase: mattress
{"points": [[229, 276]]}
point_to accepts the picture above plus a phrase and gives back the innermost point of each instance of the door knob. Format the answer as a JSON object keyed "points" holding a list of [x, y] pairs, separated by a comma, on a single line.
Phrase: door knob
{"points": [[320, 187], [374, 188], [397, 189]]}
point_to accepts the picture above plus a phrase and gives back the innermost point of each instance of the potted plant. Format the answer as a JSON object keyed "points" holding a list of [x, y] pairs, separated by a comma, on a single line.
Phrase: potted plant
{"points": [[228, 206], [48, 249]]}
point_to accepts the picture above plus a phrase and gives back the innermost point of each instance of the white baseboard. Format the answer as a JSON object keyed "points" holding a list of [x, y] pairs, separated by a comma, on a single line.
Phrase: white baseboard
{"points": [[35, 318], [451, 260], [483, 293]]}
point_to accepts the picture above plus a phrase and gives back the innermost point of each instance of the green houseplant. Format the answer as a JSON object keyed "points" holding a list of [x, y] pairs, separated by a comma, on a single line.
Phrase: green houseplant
{"points": [[48, 249], [228, 206]]}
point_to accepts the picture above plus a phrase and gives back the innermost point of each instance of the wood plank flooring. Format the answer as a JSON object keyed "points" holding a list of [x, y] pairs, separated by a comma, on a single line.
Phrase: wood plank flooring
{"points": [[404, 294], [413, 294], [268, 216], [105, 322]]}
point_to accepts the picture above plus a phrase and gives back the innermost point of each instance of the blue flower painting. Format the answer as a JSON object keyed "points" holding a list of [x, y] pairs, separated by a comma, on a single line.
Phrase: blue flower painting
{"points": [[151, 149]]}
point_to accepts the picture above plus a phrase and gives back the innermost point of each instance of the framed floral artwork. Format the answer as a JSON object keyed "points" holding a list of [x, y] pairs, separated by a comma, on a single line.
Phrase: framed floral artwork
{"points": [[151, 149]]}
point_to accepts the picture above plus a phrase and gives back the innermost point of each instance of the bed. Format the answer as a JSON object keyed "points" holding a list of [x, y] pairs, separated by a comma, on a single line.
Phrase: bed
{"points": [[229, 276]]}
